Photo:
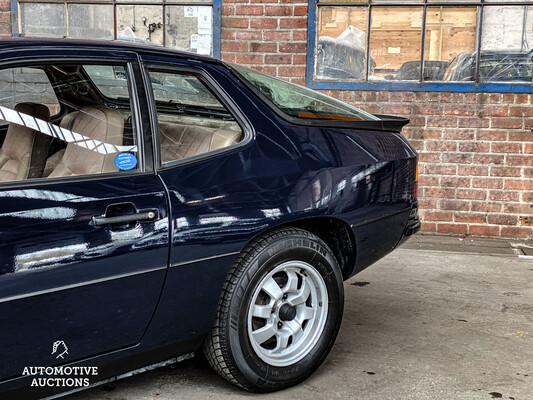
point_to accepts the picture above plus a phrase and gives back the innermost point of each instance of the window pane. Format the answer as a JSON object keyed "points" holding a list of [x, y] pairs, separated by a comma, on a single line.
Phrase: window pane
{"points": [[507, 37], [43, 20], [341, 46], [395, 38], [450, 32], [190, 28], [144, 23], [86, 135], [190, 118], [110, 81], [90, 21], [298, 101]]}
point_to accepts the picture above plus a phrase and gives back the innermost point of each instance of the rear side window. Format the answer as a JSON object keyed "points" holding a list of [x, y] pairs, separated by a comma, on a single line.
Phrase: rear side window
{"points": [[297, 101], [56, 123], [191, 120]]}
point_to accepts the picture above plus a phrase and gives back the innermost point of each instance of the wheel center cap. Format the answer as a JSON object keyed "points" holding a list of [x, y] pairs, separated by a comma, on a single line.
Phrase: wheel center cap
{"points": [[287, 312]]}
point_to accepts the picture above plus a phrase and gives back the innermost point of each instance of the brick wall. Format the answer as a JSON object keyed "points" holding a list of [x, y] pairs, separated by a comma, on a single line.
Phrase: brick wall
{"points": [[268, 35], [5, 19]]}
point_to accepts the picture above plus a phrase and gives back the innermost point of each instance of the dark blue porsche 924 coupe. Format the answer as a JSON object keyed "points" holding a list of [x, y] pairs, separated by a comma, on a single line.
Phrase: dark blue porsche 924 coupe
{"points": [[154, 203]]}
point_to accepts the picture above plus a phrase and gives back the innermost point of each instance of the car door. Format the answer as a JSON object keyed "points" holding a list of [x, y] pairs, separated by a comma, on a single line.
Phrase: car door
{"points": [[83, 254]]}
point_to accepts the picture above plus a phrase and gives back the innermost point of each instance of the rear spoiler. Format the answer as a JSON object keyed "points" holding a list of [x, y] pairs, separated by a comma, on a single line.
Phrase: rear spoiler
{"points": [[390, 122]]}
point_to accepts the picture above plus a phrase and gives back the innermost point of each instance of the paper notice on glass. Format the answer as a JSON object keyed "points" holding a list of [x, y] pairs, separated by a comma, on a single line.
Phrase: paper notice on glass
{"points": [[191, 11], [204, 44], [194, 41], [205, 20]]}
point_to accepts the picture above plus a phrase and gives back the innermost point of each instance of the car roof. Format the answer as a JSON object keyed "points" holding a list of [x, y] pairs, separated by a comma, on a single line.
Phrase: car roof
{"points": [[124, 45]]}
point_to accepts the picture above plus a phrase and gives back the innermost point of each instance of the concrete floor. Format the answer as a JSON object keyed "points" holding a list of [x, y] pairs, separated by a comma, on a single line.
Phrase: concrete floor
{"points": [[429, 321]]}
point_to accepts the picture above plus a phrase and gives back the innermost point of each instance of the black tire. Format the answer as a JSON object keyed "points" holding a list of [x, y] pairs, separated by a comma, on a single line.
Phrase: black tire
{"points": [[228, 347]]}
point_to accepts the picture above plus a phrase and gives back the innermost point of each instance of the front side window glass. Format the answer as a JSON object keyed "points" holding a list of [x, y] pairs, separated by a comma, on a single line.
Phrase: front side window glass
{"points": [[298, 101], [191, 120], [63, 129]]}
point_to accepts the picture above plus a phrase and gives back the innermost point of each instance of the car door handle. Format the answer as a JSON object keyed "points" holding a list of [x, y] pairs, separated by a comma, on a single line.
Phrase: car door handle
{"points": [[140, 216]]}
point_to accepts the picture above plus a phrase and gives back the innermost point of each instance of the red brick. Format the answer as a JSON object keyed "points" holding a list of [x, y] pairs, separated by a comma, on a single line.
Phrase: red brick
{"points": [[517, 208], [454, 205], [473, 170], [521, 136], [449, 121], [277, 35], [263, 23], [483, 230], [506, 147], [235, 22], [504, 195], [505, 171], [502, 219], [517, 232], [460, 111], [437, 216], [432, 169], [454, 181], [488, 159], [249, 59], [493, 111], [235, 47], [506, 123], [487, 183], [457, 229], [263, 47], [248, 35], [291, 71], [458, 134], [426, 180], [470, 217], [476, 147], [488, 134], [486, 206], [279, 10], [520, 160], [520, 111], [522, 99], [249, 10], [227, 34], [428, 157], [472, 194], [292, 23], [461, 158], [518, 184], [473, 122], [300, 10], [428, 227], [292, 47], [277, 59], [439, 193], [228, 9]]}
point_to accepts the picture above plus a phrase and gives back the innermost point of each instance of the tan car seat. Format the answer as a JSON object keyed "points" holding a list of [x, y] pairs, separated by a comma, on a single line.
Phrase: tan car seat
{"points": [[24, 151], [182, 141], [96, 122]]}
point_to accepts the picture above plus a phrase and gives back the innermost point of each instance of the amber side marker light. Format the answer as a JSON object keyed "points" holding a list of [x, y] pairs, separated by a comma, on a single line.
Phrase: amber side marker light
{"points": [[415, 197]]}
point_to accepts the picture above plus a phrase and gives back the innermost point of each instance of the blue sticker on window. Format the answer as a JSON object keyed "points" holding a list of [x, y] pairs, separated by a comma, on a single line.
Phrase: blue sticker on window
{"points": [[125, 161]]}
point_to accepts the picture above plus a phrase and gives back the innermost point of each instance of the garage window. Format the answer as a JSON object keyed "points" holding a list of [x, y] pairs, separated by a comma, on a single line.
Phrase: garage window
{"points": [[421, 45], [182, 24]]}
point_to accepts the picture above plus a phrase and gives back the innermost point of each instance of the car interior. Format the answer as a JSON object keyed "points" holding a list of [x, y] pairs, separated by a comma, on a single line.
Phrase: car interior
{"points": [[62, 119]]}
